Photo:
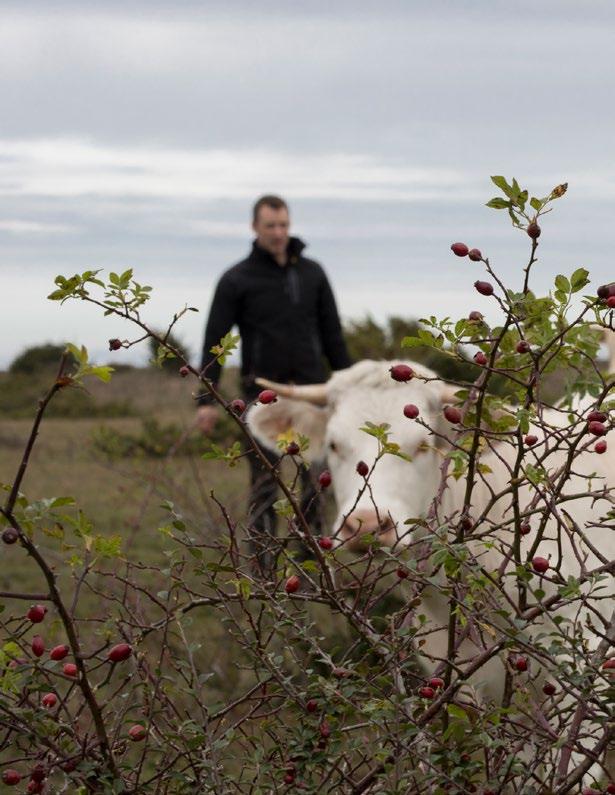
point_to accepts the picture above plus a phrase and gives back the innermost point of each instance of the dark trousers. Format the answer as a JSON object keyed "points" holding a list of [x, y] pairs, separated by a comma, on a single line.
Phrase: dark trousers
{"points": [[262, 516]]}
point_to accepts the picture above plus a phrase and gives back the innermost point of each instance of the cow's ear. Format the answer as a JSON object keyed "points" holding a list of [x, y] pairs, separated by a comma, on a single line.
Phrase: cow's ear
{"points": [[291, 419]]}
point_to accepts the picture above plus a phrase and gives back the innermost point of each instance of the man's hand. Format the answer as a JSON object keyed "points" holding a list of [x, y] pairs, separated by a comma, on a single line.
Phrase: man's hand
{"points": [[206, 418]]}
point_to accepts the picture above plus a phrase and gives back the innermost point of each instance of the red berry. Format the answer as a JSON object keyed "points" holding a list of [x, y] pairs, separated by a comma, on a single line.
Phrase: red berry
{"points": [[609, 665], [596, 428], [603, 291], [59, 652], [268, 396], [114, 345], [325, 729], [600, 446], [35, 786], [411, 411], [530, 440], [611, 789], [11, 777], [480, 358], [540, 565], [523, 346], [10, 535], [292, 584], [436, 682], [293, 449], [325, 542], [610, 301], [525, 528], [534, 230], [549, 689], [324, 479], [39, 773], [597, 416], [484, 288], [37, 613], [137, 732], [238, 406], [426, 692], [49, 700], [184, 371], [402, 573], [38, 646], [312, 705], [475, 255], [521, 664], [475, 316], [362, 469], [460, 249], [452, 414], [119, 653], [401, 372], [289, 778], [70, 669]]}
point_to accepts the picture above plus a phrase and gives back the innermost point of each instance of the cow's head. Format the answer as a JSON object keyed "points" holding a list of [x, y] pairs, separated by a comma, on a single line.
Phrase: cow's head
{"points": [[332, 416]]}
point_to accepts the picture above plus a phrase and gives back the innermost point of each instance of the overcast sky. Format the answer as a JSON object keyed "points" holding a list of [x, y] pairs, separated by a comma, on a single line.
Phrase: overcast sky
{"points": [[138, 135]]}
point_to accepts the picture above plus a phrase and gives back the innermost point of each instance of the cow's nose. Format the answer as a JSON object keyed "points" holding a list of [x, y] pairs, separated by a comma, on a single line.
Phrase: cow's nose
{"points": [[365, 522]]}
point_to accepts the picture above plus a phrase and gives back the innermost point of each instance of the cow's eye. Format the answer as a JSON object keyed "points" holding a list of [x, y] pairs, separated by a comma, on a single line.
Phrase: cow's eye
{"points": [[332, 447]]}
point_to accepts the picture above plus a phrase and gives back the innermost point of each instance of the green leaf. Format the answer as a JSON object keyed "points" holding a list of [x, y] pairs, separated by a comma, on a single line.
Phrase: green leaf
{"points": [[457, 712], [501, 183], [579, 279], [498, 204], [535, 203], [562, 283]]}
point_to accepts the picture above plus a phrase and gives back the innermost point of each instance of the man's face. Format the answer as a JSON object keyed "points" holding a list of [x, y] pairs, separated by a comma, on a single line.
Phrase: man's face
{"points": [[271, 228]]}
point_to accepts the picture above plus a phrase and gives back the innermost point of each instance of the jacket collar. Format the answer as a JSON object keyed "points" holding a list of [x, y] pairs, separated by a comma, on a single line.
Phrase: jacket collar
{"points": [[294, 249]]}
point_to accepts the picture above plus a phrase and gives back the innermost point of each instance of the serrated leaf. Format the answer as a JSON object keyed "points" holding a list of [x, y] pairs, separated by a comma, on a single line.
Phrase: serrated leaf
{"points": [[498, 204]]}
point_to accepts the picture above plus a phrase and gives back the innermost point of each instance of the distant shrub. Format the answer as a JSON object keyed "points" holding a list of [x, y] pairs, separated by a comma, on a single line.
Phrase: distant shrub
{"points": [[38, 358]]}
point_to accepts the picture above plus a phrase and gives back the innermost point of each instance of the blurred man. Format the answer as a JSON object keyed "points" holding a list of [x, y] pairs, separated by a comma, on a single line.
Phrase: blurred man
{"points": [[289, 325]]}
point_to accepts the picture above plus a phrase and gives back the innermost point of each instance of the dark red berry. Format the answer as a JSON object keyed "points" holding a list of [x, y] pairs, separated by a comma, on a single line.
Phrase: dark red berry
{"points": [[402, 573], [480, 358], [452, 414], [35, 787], [39, 773], [411, 411], [59, 652], [475, 316], [530, 440], [237, 406], [10, 535], [600, 446], [401, 372], [289, 778], [268, 396], [49, 700], [484, 288], [549, 689], [475, 255], [312, 705], [610, 301], [523, 346], [362, 469], [38, 646], [540, 565], [184, 371], [596, 428], [119, 653], [436, 682], [137, 732], [597, 416], [325, 479], [521, 664], [325, 729], [610, 789], [114, 345], [293, 449], [534, 230], [525, 528], [325, 543], [292, 584], [70, 669], [11, 777], [37, 613], [603, 291], [426, 692], [460, 249]]}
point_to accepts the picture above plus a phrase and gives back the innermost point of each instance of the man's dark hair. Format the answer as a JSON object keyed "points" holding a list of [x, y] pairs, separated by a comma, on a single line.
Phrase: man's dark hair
{"points": [[275, 202]]}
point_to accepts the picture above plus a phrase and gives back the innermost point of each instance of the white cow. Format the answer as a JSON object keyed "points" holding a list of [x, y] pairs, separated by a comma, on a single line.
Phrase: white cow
{"points": [[579, 537]]}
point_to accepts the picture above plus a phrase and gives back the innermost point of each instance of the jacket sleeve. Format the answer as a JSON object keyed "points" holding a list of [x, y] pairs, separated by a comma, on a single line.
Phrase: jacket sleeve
{"points": [[222, 317], [332, 339]]}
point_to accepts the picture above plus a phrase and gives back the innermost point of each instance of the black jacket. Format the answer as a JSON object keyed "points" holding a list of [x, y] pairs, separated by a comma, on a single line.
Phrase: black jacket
{"points": [[287, 320]]}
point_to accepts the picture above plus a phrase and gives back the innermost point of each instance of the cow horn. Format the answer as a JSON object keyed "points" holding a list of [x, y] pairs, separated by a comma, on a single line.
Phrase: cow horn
{"points": [[311, 393]]}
